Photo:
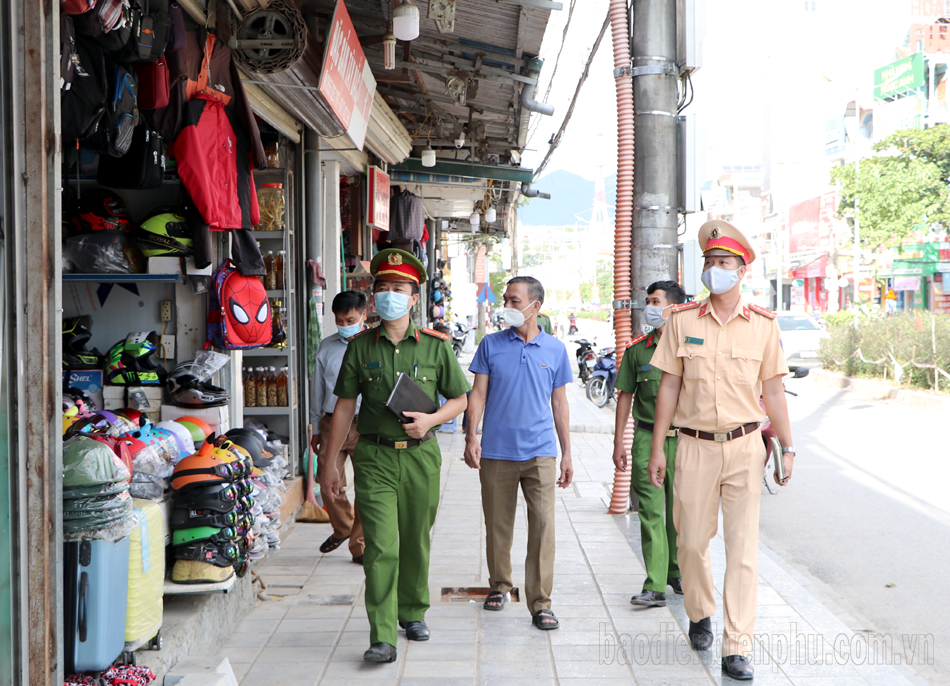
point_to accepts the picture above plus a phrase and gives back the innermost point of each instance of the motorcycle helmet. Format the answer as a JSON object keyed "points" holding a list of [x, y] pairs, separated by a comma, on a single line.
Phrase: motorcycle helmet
{"points": [[206, 465], [210, 534], [218, 496], [187, 390], [218, 554], [98, 210], [200, 572], [186, 444], [190, 517], [130, 362], [76, 333], [164, 234], [139, 419], [200, 429]]}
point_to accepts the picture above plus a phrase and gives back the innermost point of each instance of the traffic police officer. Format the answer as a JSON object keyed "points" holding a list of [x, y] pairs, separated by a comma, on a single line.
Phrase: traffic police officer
{"points": [[396, 465], [718, 356], [638, 382]]}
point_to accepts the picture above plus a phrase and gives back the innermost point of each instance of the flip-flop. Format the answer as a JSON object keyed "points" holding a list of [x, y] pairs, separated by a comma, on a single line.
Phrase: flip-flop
{"points": [[538, 620], [498, 599], [332, 544]]}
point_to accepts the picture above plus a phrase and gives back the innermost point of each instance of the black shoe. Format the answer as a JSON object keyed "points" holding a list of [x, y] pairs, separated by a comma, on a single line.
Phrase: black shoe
{"points": [[358, 559], [415, 631], [700, 634], [380, 652], [737, 667], [677, 585], [649, 599]]}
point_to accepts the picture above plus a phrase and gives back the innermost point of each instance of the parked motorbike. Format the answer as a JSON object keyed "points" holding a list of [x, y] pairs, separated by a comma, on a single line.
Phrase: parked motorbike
{"points": [[773, 447], [586, 359], [573, 329], [459, 334], [600, 386]]}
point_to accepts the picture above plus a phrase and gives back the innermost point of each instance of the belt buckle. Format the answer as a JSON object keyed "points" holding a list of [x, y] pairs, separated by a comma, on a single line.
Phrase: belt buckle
{"points": [[672, 433], [722, 437], [401, 445]]}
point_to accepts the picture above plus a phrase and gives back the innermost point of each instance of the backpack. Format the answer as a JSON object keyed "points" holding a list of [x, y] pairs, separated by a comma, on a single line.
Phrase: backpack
{"points": [[150, 32], [109, 24], [113, 135], [238, 312], [84, 86], [76, 6], [141, 168]]}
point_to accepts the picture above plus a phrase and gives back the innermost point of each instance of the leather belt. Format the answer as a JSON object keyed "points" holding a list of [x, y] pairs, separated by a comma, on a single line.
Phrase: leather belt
{"points": [[399, 445], [672, 433], [721, 436]]}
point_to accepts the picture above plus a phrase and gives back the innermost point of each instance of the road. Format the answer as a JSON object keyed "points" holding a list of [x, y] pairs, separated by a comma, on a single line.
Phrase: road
{"points": [[867, 515]]}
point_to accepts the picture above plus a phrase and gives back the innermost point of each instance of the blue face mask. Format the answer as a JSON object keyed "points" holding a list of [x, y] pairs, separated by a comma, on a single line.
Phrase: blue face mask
{"points": [[391, 305], [349, 331]]}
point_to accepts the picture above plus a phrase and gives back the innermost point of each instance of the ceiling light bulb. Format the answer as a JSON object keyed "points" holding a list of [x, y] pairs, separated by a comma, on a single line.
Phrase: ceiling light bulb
{"points": [[475, 219], [406, 21], [389, 50], [490, 215], [428, 157]]}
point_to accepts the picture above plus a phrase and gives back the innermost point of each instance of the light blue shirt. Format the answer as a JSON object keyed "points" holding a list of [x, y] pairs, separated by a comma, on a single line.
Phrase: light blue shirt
{"points": [[329, 360], [518, 422]]}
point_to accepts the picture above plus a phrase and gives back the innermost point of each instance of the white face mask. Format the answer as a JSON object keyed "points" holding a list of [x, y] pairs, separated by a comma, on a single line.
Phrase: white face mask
{"points": [[719, 280], [653, 316], [515, 318]]}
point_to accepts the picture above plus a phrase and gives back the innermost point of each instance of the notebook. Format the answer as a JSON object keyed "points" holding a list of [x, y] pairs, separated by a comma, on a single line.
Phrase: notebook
{"points": [[408, 396]]}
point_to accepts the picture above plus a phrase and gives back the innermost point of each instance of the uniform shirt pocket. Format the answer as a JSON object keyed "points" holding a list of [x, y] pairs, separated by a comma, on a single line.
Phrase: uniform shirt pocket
{"points": [[746, 362], [694, 361], [371, 380], [426, 378]]}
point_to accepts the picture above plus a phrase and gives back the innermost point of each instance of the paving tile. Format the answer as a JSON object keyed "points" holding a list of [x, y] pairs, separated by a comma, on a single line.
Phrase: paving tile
{"points": [[440, 668], [302, 639], [278, 672], [523, 668], [294, 654]]}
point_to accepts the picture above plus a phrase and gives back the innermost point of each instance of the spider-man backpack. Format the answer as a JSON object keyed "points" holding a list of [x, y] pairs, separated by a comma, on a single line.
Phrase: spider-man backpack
{"points": [[238, 312]]}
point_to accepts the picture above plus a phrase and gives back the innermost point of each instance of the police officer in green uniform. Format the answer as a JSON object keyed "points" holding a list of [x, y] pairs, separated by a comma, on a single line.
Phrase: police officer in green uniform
{"points": [[544, 322], [639, 383], [396, 465]]}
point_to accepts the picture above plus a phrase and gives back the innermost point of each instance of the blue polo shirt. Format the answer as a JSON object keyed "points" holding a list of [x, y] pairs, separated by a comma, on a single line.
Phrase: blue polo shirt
{"points": [[522, 376]]}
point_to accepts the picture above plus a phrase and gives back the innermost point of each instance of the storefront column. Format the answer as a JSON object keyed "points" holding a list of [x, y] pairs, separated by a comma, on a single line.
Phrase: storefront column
{"points": [[332, 232]]}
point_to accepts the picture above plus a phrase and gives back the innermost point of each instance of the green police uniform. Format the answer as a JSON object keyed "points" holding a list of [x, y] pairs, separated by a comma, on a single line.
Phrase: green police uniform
{"points": [[544, 322], [658, 538], [397, 488]]}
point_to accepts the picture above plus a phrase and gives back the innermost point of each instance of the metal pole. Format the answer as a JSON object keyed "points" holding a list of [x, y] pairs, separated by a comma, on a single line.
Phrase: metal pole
{"points": [[655, 213]]}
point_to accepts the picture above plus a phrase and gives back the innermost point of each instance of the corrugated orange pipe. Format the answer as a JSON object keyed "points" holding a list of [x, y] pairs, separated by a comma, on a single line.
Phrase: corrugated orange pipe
{"points": [[623, 330]]}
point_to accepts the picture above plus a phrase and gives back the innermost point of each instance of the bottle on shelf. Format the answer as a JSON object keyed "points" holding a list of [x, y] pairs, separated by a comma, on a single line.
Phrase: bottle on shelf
{"points": [[270, 278], [278, 325], [282, 399], [272, 388], [280, 263], [260, 383], [250, 388]]}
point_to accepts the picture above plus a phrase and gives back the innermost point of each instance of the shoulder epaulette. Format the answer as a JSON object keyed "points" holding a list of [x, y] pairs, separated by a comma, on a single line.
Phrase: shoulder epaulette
{"points": [[768, 314], [361, 333], [436, 334], [634, 341], [683, 307]]}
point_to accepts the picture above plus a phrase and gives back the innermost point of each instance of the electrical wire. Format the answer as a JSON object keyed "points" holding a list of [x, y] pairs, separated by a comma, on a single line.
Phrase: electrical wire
{"points": [[557, 61], [692, 92], [556, 140]]}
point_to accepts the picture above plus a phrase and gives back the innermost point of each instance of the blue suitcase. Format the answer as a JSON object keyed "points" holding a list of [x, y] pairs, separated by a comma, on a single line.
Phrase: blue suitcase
{"points": [[94, 594]]}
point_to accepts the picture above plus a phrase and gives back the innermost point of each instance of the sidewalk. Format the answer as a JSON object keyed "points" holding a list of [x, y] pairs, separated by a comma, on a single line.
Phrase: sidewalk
{"points": [[314, 630]]}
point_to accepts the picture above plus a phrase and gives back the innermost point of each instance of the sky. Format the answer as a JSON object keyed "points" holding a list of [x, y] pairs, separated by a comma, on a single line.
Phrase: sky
{"points": [[777, 62]]}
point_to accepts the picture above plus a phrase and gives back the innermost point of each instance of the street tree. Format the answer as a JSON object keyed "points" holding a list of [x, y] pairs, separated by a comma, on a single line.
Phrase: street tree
{"points": [[900, 190]]}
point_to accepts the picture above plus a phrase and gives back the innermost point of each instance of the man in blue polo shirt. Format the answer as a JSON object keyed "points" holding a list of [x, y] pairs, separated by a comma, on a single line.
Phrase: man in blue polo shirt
{"points": [[520, 375]]}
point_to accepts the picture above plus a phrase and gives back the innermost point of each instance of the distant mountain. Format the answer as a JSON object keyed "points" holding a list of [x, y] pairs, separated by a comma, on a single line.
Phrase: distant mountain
{"points": [[572, 196]]}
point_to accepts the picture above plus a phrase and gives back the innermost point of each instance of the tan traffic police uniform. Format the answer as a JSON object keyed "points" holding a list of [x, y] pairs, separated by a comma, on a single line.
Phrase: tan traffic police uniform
{"points": [[722, 365]]}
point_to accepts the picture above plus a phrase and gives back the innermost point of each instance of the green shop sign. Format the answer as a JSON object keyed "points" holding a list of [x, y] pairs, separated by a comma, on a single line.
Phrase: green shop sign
{"points": [[902, 76]]}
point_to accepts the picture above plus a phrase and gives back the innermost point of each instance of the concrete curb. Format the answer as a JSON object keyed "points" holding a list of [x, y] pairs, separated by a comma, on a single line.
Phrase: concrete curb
{"points": [[882, 390]]}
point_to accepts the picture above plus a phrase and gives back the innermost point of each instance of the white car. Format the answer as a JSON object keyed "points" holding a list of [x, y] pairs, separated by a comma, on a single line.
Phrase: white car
{"points": [[801, 339]]}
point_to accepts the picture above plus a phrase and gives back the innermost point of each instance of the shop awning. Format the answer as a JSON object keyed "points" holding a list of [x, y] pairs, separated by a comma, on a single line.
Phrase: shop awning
{"points": [[475, 171]]}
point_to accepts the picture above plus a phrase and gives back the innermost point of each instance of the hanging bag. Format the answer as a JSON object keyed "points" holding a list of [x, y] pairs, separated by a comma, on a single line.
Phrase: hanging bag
{"points": [[239, 314], [154, 85], [83, 95], [141, 168], [113, 135]]}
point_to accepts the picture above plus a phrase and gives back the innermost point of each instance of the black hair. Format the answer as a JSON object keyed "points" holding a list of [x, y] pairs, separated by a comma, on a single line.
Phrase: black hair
{"points": [[535, 289], [347, 301], [413, 284], [674, 292]]}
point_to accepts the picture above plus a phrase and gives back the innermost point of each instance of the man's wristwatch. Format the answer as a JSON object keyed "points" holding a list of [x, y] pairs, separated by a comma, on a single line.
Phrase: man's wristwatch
{"points": [[789, 449]]}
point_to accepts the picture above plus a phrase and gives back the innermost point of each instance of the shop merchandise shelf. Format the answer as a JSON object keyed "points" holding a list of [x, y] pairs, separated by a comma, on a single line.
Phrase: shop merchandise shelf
{"points": [[124, 278], [278, 293], [266, 352], [171, 588], [283, 409], [262, 235]]}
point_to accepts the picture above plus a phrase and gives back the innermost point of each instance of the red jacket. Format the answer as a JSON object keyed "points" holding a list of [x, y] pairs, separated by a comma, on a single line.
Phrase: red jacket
{"points": [[214, 163]]}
